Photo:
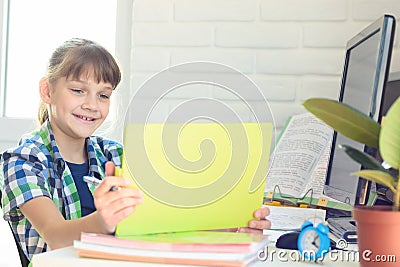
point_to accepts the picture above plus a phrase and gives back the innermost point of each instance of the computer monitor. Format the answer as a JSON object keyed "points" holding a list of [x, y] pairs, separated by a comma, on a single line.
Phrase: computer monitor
{"points": [[365, 73]]}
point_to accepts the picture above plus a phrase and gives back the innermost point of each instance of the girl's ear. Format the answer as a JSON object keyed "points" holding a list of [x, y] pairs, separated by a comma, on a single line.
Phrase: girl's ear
{"points": [[44, 90]]}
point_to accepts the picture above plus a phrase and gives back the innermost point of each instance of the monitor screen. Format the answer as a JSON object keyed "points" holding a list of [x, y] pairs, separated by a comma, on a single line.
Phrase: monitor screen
{"points": [[364, 77]]}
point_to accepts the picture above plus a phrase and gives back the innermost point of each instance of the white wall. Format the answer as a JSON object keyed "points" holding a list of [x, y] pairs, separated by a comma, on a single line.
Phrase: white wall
{"points": [[12, 129], [291, 49]]}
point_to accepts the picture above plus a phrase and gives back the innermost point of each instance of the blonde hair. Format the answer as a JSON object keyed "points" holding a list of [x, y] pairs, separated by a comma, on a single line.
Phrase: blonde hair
{"points": [[73, 58]]}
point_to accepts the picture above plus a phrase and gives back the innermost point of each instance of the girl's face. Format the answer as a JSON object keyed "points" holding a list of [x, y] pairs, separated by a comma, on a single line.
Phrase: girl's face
{"points": [[78, 106]]}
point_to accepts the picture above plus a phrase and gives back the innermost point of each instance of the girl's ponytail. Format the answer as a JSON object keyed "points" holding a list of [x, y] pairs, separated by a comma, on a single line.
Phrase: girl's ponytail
{"points": [[43, 114]]}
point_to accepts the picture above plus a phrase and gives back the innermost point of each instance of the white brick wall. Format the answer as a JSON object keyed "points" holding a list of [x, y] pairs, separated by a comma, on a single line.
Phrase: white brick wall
{"points": [[370, 9], [172, 34], [291, 49], [240, 60], [257, 35], [216, 10], [305, 10], [153, 10], [315, 35], [300, 62]]}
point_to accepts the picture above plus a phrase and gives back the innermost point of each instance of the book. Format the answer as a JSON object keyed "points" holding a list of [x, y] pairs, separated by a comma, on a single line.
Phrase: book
{"points": [[194, 241], [299, 158], [299, 163], [202, 248]]}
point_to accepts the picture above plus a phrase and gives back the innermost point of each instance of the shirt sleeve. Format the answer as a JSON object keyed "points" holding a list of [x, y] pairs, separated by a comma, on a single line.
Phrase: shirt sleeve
{"points": [[24, 179]]}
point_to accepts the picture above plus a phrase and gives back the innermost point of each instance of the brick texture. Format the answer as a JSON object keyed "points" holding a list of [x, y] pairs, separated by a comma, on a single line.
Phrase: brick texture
{"points": [[290, 49], [216, 10], [260, 35], [306, 10]]}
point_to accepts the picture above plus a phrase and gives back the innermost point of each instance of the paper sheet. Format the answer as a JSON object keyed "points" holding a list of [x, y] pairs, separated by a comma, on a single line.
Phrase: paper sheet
{"points": [[291, 218]]}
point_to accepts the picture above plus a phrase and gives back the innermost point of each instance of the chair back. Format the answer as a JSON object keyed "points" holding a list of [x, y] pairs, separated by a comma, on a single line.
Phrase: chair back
{"points": [[22, 256]]}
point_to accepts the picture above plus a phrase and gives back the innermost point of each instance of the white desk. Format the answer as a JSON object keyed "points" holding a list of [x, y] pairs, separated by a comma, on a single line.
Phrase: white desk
{"points": [[67, 257]]}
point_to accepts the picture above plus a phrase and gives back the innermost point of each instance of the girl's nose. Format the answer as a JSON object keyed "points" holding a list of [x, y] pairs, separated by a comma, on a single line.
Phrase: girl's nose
{"points": [[90, 102]]}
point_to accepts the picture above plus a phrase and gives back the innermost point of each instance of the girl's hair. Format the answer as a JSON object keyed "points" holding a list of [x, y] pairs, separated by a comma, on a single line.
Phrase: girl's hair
{"points": [[75, 57]]}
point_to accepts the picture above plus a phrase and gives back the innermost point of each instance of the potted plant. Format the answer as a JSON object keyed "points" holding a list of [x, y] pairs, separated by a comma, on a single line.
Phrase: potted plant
{"points": [[378, 227]]}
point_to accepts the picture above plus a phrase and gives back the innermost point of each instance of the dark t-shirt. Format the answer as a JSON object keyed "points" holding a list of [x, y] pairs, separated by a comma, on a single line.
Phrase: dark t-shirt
{"points": [[85, 196]]}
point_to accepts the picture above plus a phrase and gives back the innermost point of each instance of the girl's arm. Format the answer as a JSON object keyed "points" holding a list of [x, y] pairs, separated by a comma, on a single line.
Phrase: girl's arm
{"points": [[112, 207]]}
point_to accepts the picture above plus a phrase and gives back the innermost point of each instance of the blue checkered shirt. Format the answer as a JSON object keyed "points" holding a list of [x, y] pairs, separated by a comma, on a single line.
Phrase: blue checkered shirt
{"points": [[36, 168]]}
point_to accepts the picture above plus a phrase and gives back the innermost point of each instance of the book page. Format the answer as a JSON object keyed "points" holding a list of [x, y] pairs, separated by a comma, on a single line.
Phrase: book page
{"points": [[297, 155], [318, 176]]}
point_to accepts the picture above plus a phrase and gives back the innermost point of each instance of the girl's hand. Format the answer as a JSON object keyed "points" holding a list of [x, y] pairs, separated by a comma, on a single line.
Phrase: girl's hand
{"points": [[258, 225], [114, 205]]}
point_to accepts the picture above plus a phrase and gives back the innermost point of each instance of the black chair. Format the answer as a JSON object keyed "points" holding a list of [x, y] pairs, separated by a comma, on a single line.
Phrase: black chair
{"points": [[22, 257]]}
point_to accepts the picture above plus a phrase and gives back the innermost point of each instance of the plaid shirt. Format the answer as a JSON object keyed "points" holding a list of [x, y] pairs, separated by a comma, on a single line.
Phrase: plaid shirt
{"points": [[36, 168]]}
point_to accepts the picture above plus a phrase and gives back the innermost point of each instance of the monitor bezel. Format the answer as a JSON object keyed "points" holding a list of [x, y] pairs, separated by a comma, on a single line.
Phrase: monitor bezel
{"points": [[385, 28]]}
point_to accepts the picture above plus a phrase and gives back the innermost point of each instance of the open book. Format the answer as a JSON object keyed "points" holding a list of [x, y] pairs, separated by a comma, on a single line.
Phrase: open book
{"points": [[299, 162]]}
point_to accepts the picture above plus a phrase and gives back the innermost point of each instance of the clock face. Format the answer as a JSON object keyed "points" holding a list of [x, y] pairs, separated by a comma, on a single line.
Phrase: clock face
{"points": [[313, 242], [310, 241]]}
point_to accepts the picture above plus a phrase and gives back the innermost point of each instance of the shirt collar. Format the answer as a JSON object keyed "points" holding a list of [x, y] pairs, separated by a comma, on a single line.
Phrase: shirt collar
{"points": [[49, 141]]}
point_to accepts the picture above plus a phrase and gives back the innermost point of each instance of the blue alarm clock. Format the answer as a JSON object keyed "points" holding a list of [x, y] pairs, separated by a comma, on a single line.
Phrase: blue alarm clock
{"points": [[314, 242]]}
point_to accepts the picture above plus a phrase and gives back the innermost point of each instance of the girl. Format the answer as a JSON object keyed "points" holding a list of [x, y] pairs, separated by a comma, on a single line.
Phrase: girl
{"points": [[44, 197]]}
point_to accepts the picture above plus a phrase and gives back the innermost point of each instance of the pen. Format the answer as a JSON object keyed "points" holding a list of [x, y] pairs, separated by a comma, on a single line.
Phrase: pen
{"points": [[96, 182]]}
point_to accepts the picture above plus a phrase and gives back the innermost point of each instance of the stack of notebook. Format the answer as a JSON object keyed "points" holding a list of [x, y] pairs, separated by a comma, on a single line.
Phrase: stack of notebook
{"points": [[203, 248]]}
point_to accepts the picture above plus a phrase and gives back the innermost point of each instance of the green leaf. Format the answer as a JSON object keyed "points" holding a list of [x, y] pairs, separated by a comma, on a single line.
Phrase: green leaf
{"points": [[345, 120], [389, 142], [379, 177], [363, 158]]}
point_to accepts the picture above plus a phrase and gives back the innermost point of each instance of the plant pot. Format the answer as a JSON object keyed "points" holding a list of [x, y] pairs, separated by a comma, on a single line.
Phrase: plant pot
{"points": [[378, 231]]}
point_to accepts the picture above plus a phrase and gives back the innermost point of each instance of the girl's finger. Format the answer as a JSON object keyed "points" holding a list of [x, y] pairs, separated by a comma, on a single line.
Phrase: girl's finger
{"points": [[108, 183], [121, 204], [110, 197], [250, 230], [261, 213], [260, 224], [110, 168]]}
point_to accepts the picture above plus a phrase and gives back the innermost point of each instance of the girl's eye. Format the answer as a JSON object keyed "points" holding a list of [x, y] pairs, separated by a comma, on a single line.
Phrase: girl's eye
{"points": [[77, 90], [104, 96]]}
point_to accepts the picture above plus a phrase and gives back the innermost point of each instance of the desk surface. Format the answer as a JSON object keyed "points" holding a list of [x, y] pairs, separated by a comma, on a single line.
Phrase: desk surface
{"points": [[67, 257]]}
